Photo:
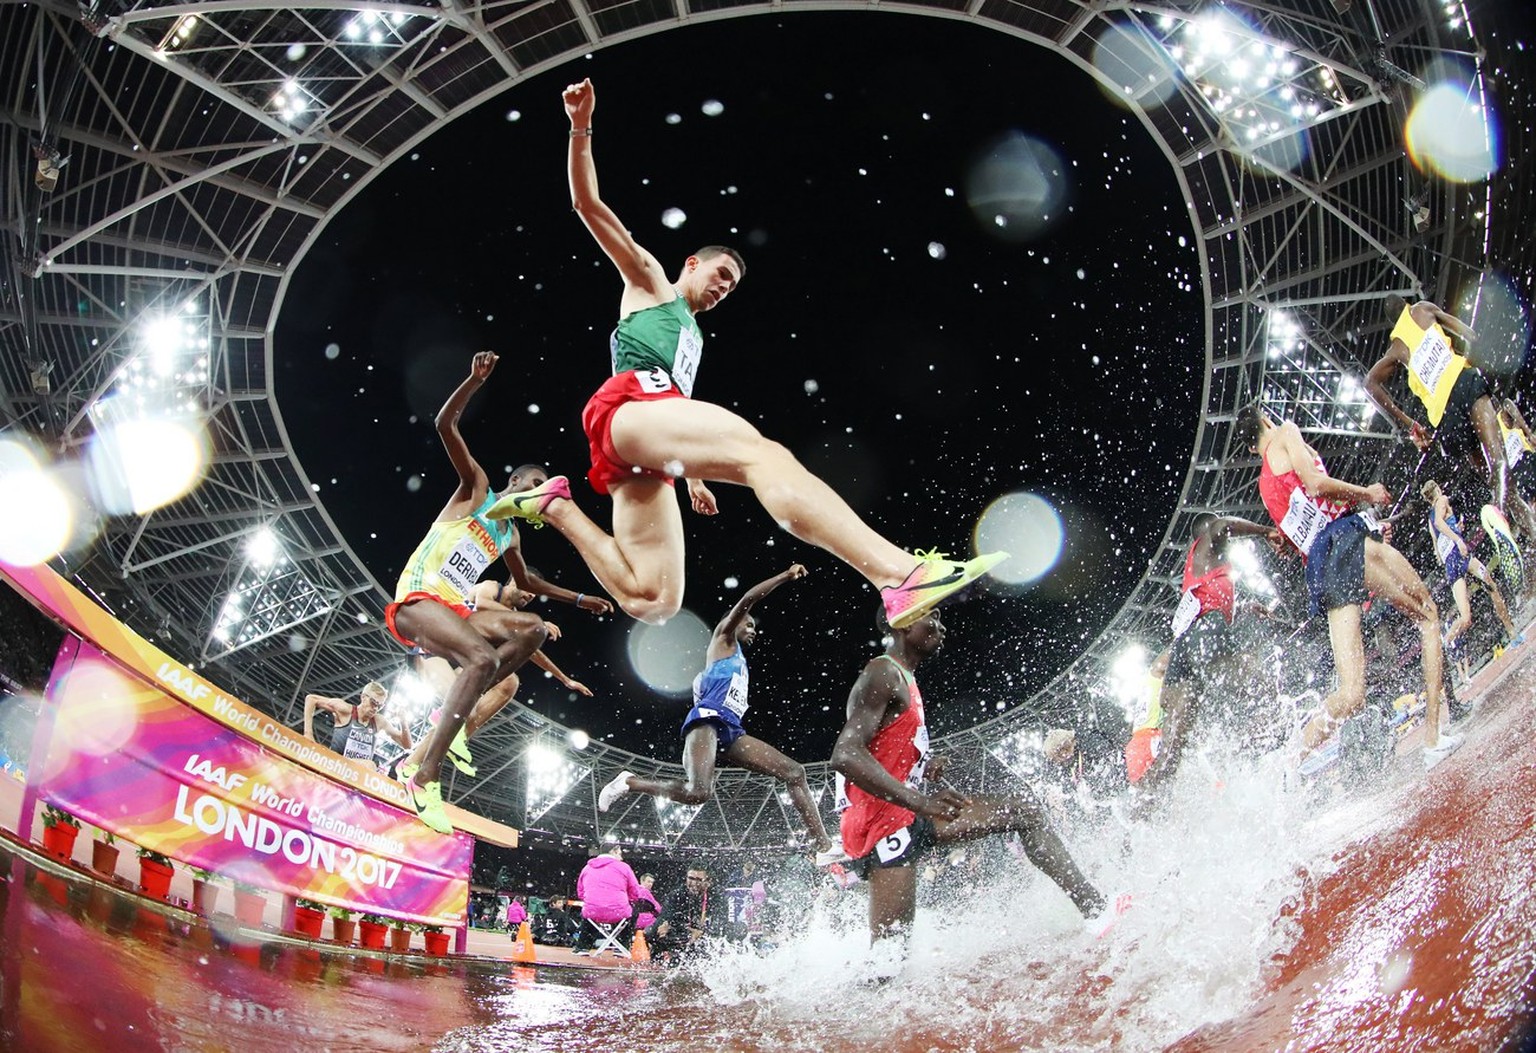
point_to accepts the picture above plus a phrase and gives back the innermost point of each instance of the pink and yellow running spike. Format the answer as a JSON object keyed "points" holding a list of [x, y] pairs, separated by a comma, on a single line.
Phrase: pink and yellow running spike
{"points": [[530, 504], [934, 580]]}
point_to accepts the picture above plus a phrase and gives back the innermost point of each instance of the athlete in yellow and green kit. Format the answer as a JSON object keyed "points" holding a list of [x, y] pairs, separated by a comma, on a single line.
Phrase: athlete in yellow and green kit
{"points": [[431, 608]]}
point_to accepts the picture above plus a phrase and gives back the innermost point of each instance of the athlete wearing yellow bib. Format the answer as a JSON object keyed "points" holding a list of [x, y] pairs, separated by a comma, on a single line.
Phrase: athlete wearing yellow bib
{"points": [[1455, 397], [431, 611]]}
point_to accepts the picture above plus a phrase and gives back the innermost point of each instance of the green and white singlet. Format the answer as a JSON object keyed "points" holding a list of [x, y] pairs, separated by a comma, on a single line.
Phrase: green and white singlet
{"points": [[664, 337]]}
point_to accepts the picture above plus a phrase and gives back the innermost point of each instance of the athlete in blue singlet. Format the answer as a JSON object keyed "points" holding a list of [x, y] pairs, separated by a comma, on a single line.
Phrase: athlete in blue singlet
{"points": [[713, 728], [1451, 549]]}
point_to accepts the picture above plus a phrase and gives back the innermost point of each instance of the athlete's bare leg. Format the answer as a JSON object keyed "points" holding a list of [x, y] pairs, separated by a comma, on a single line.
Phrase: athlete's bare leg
{"points": [[756, 755], [710, 442], [1479, 570], [641, 564], [478, 646], [892, 901], [1392, 578], [1349, 664], [987, 814], [698, 782], [485, 707], [1463, 620]]}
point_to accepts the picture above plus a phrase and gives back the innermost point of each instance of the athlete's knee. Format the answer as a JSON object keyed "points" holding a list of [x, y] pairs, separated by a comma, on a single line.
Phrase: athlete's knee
{"points": [[1025, 812], [652, 606], [792, 773], [692, 793], [478, 667]]}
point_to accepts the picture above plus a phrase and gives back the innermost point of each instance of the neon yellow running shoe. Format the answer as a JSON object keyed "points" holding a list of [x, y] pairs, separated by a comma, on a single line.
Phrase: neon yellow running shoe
{"points": [[458, 752], [429, 805], [530, 504], [408, 771], [934, 580]]}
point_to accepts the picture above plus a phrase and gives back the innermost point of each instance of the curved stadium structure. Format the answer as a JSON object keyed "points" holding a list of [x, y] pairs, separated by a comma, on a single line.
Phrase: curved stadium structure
{"points": [[208, 145]]}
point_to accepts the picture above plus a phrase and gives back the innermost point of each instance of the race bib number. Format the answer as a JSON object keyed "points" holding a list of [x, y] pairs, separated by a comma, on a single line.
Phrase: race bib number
{"points": [[919, 740], [359, 745], [893, 846], [736, 694], [1304, 521], [685, 360], [840, 801], [1514, 448], [653, 381], [464, 565], [1368, 516], [1430, 359], [1184, 617]]}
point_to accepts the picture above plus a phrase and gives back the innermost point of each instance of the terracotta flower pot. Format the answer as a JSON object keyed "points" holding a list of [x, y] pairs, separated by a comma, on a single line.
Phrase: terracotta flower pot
{"points": [[307, 921], [205, 896], [104, 858], [59, 840], [372, 934], [154, 878], [343, 930], [249, 907], [399, 940], [437, 943]]}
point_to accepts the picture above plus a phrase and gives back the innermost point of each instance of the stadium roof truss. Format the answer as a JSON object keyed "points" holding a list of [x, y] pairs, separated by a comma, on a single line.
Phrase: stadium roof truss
{"points": [[208, 144]]}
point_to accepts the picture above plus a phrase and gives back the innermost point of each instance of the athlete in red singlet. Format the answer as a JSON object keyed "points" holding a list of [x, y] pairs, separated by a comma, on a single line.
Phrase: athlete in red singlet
{"points": [[1204, 660], [882, 761], [1346, 563]]}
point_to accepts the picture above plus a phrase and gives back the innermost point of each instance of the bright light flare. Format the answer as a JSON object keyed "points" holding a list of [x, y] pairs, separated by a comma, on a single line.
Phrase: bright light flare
{"points": [[139, 465], [1495, 309], [1026, 525], [102, 716], [1134, 65], [38, 513], [1018, 187], [666, 657], [1128, 677], [1450, 132]]}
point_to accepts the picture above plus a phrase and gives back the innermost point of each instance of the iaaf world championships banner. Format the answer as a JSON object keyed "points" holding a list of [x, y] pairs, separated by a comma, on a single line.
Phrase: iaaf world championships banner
{"points": [[129, 758]]}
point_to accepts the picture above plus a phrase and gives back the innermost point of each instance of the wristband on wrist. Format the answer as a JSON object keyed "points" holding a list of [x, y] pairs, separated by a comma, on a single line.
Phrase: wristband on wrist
{"points": [[579, 597], [587, 131]]}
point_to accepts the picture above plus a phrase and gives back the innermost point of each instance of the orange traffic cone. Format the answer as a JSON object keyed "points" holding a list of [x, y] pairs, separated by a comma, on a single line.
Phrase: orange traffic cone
{"points": [[522, 947], [639, 950]]}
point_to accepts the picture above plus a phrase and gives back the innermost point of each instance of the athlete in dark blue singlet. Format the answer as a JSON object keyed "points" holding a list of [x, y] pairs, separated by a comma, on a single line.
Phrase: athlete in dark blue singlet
{"points": [[713, 727]]}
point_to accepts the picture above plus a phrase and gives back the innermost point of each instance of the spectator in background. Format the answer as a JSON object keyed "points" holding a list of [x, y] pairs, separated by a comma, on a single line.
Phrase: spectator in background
{"points": [[608, 892], [647, 909], [516, 913], [688, 917], [556, 927]]}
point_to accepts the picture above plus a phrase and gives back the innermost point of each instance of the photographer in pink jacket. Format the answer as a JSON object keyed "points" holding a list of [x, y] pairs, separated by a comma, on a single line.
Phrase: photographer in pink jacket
{"points": [[608, 891]]}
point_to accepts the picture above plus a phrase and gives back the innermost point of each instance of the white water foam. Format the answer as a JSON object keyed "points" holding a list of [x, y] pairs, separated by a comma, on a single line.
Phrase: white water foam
{"points": [[1004, 962]]}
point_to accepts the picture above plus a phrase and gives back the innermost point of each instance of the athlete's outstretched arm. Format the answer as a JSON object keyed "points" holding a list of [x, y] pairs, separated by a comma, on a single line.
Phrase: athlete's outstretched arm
{"points": [[530, 580], [877, 688], [472, 478], [334, 706], [638, 267], [1320, 485], [723, 642], [544, 662], [1376, 389]]}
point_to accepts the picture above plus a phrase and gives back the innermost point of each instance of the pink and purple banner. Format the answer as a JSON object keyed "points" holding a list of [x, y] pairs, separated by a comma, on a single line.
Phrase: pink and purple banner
{"points": [[128, 757]]}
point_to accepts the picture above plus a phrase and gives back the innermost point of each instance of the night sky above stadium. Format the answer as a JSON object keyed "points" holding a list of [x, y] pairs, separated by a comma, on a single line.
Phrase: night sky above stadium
{"points": [[920, 353]]}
